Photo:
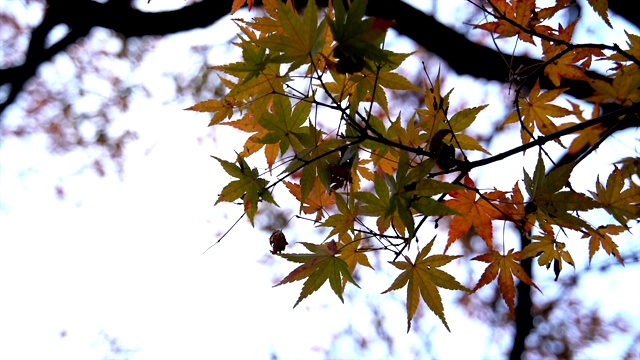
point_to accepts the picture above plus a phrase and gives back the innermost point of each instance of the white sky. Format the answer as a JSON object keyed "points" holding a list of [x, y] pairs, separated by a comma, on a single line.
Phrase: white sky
{"points": [[125, 257]]}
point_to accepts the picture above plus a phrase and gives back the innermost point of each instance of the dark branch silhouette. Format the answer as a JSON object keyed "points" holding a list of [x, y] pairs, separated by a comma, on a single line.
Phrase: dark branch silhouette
{"points": [[454, 48]]}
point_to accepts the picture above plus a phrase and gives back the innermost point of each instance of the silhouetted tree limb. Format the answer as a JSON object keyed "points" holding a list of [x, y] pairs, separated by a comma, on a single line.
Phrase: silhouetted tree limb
{"points": [[119, 16]]}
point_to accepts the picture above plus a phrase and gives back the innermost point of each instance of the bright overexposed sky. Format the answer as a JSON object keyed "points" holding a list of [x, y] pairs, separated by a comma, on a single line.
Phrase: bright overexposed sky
{"points": [[123, 256]]}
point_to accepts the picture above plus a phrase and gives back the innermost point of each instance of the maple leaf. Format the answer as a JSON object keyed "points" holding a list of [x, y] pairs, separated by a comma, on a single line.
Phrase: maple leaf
{"points": [[353, 254], [321, 265], [317, 200], [623, 89], [423, 278], [600, 236], [434, 121], [504, 267], [633, 50], [238, 4], [521, 12], [474, 212], [434, 116], [408, 190], [318, 154], [300, 39], [378, 204], [552, 205], [458, 123], [411, 191], [283, 126], [370, 85], [249, 186], [630, 166], [255, 60], [601, 7], [623, 205], [249, 124], [538, 110], [358, 38], [407, 135], [514, 209], [549, 250], [549, 12], [566, 66], [221, 108], [589, 136], [342, 222], [258, 78]]}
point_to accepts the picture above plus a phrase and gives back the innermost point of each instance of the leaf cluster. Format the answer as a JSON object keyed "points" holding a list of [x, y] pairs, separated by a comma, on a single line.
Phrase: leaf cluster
{"points": [[312, 92]]}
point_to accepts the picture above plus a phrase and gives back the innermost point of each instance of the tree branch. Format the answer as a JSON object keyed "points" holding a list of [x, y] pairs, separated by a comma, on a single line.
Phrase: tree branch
{"points": [[451, 46]]}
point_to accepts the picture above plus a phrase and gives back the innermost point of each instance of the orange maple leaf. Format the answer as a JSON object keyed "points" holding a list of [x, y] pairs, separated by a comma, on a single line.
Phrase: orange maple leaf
{"points": [[317, 200], [513, 209], [522, 12], [504, 267], [475, 212], [237, 4]]}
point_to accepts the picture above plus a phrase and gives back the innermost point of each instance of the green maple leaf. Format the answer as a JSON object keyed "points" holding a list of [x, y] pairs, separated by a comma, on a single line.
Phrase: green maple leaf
{"points": [[342, 222], [321, 265], [249, 186], [368, 84], [313, 159], [285, 127], [254, 61], [552, 205], [356, 35], [300, 38], [461, 121], [396, 197], [433, 119], [423, 278], [377, 205]]}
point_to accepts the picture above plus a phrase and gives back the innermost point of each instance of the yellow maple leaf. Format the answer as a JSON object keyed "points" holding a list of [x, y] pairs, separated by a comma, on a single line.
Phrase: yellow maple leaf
{"points": [[623, 89], [249, 124], [353, 254], [549, 250], [424, 278], [600, 236], [623, 205], [537, 110], [589, 136], [601, 7], [221, 108]]}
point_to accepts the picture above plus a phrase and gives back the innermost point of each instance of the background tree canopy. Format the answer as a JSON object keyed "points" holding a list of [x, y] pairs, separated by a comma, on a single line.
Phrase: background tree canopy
{"points": [[70, 77]]}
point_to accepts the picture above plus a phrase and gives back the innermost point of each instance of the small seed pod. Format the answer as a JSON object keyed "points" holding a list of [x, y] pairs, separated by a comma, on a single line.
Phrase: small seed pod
{"points": [[277, 241]]}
